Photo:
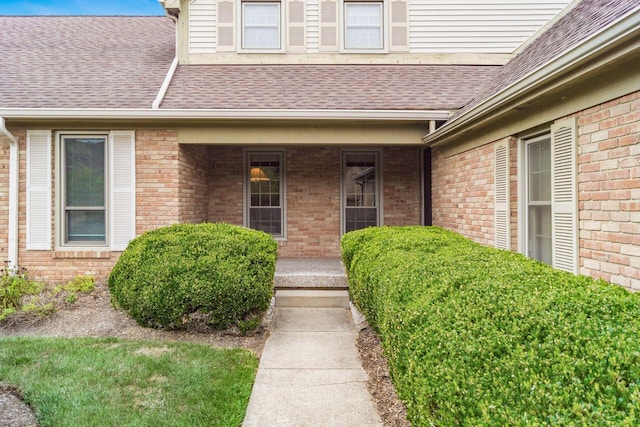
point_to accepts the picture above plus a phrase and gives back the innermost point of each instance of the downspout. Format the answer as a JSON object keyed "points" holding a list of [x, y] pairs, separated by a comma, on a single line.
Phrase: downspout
{"points": [[172, 69], [14, 188]]}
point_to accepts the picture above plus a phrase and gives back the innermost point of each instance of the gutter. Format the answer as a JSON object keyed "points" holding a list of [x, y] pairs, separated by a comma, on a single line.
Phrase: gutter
{"points": [[571, 59], [215, 114], [172, 69], [14, 182], [165, 84]]}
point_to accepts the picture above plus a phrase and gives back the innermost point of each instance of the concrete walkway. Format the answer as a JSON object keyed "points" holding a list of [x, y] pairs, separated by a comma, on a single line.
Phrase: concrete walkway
{"points": [[310, 373]]}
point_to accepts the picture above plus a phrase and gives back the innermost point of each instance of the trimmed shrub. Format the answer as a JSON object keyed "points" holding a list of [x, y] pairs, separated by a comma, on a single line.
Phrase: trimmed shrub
{"points": [[480, 336], [218, 272]]}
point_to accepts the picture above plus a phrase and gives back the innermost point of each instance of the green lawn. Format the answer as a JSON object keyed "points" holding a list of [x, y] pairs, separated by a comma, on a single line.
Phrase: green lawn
{"points": [[112, 382]]}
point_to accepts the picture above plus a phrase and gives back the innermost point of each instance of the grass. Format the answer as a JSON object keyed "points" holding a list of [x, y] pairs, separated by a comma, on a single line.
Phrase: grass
{"points": [[113, 382]]}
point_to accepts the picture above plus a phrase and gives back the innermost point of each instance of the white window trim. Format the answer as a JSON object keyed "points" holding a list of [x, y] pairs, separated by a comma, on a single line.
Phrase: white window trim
{"points": [[522, 192], [60, 193], [246, 185], [240, 28], [379, 183], [385, 28], [524, 187]]}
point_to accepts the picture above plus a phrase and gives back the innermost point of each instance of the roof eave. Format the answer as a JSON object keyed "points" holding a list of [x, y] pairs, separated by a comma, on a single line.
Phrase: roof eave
{"points": [[220, 114], [598, 44]]}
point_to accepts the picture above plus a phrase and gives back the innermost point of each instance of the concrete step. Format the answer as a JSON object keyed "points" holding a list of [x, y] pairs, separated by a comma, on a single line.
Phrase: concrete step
{"points": [[312, 298], [309, 280], [310, 273]]}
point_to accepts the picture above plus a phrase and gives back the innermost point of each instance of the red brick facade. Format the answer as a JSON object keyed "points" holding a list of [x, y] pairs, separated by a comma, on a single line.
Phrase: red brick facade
{"points": [[195, 183], [462, 193], [608, 188], [313, 194]]}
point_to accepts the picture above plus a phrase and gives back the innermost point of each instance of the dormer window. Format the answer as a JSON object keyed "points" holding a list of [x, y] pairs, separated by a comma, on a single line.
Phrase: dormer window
{"points": [[363, 25], [261, 25]]}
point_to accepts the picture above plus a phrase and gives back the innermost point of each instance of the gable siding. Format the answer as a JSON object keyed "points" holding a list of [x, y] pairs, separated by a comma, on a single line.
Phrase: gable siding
{"points": [[202, 26], [477, 26]]}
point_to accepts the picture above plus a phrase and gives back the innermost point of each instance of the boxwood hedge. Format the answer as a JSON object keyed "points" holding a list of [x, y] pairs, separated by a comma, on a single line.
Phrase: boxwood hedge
{"points": [[221, 272], [479, 336]]}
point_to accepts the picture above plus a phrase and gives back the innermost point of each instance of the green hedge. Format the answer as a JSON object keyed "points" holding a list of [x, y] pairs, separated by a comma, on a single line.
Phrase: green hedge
{"points": [[222, 272], [479, 336]]}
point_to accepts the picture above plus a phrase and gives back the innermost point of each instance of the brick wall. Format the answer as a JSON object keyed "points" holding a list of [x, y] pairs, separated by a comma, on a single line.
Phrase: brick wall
{"points": [[313, 202], [401, 185], [608, 186], [158, 190], [462, 192], [609, 190], [194, 182], [182, 183], [225, 184], [313, 194], [157, 179]]}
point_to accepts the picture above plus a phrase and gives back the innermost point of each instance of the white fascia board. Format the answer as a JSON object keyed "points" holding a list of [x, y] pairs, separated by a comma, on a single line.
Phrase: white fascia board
{"points": [[588, 48], [183, 114]]}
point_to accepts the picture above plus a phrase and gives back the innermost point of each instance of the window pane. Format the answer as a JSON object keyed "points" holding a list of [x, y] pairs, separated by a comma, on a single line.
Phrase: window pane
{"points": [[363, 25], [359, 180], [85, 172], [539, 167], [265, 212], [85, 226], [540, 239], [261, 26]]}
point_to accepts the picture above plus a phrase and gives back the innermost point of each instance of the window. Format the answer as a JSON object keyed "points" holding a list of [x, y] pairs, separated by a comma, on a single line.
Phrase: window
{"points": [[360, 192], [265, 195], [84, 175], [261, 25], [548, 228], [95, 193], [538, 196], [363, 25]]}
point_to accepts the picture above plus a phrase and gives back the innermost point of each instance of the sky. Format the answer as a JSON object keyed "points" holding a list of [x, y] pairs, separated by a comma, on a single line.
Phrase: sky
{"points": [[81, 7]]}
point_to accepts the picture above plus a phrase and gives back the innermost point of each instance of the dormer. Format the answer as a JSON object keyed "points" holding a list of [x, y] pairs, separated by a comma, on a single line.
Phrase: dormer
{"points": [[355, 31]]}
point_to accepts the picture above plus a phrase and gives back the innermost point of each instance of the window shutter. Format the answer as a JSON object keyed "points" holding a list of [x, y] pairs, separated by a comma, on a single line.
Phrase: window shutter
{"points": [[399, 26], [39, 190], [328, 25], [501, 196], [123, 193], [564, 206]]}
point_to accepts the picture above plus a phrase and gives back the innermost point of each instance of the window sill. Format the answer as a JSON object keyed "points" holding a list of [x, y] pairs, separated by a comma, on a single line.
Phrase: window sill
{"points": [[85, 254]]}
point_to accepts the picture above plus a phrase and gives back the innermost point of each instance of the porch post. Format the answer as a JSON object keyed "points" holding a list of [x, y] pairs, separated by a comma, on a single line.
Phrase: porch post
{"points": [[426, 186]]}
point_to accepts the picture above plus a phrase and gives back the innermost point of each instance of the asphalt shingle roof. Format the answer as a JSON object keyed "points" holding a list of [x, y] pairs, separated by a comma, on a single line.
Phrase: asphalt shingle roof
{"points": [[332, 87], [83, 61], [584, 20]]}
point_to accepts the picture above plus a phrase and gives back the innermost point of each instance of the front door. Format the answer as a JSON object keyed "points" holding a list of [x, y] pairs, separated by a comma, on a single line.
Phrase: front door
{"points": [[360, 190]]}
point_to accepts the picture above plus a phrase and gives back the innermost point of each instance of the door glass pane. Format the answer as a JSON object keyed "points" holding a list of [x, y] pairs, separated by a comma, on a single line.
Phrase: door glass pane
{"points": [[261, 25], [265, 211], [539, 229], [360, 197]]}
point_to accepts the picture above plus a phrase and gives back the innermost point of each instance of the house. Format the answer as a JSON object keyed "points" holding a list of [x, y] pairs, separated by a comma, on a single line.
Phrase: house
{"points": [[307, 119], [546, 159]]}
